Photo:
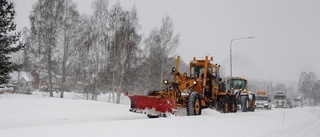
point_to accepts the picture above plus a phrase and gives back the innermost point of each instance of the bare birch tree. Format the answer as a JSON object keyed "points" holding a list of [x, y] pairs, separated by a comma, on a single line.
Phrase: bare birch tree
{"points": [[45, 20], [124, 45], [69, 38], [100, 40], [169, 43], [114, 23], [129, 47], [160, 45]]}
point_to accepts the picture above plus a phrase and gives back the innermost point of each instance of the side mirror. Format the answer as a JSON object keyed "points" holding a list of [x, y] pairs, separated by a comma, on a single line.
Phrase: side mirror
{"points": [[173, 70]]}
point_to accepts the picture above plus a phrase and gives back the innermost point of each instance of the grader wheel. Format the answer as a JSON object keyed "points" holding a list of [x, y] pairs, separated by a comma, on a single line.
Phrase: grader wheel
{"points": [[225, 107], [233, 107], [216, 106], [233, 104], [194, 104]]}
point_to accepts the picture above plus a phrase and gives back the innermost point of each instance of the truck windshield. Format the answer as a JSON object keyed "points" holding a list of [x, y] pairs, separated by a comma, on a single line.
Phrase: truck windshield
{"points": [[279, 97], [262, 98], [238, 84]]}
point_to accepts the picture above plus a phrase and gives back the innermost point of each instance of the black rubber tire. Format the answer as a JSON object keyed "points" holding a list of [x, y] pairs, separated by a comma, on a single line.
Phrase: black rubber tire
{"points": [[194, 104], [225, 106], [233, 106], [244, 103], [216, 105], [251, 105], [152, 116]]}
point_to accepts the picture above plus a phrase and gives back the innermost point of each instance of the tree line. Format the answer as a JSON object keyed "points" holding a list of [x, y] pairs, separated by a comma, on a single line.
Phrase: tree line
{"points": [[9, 41], [309, 87], [102, 52]]}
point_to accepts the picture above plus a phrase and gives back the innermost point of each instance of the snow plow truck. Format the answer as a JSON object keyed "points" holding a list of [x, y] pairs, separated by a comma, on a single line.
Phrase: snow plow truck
{"points": [[203, 88], [263, 100], [245, 98]]}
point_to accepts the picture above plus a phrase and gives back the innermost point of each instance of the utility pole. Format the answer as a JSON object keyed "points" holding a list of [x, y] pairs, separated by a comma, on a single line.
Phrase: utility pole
{"points": [[231, 55]]}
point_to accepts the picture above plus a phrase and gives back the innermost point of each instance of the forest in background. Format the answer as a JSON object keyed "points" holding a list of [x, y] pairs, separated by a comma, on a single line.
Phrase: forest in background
{"points": [[104, 51], [100, 52]]}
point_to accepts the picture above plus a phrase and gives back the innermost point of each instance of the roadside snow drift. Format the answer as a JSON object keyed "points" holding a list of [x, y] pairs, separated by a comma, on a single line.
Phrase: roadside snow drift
{"points": [[41, 116]]}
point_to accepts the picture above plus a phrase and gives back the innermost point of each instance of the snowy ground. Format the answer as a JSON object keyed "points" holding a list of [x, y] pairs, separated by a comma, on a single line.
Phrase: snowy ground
{"points": [[38, 115]]}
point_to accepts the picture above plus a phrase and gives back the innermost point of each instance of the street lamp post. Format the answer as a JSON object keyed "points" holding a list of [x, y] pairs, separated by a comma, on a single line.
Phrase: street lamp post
{"points": [[231, 56]]}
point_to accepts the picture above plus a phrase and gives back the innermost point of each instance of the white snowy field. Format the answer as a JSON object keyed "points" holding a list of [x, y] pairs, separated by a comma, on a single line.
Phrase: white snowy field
{"points": [[41, 116]]}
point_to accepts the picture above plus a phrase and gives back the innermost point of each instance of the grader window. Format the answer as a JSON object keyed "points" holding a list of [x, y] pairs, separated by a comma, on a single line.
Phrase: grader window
{"points": [[215, 72], [196, 71]]}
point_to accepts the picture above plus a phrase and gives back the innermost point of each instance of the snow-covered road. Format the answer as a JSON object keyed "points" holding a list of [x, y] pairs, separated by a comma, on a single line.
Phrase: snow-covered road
{"points": [[33, 116]]}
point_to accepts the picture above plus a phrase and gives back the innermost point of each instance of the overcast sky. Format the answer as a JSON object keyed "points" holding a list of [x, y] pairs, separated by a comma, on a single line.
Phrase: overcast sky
{"points": [[286, 32]]}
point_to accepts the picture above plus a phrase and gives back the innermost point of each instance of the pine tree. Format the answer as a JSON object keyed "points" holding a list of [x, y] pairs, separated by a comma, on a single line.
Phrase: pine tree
{"points": [[9, 40]]}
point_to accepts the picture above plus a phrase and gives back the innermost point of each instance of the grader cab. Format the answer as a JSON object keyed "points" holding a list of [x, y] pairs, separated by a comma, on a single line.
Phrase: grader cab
{"points": [[203, 88]]}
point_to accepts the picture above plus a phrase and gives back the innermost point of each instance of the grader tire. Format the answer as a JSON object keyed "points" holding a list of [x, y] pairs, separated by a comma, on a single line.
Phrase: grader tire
{"points": [[216, 105], [225, 108], [194, 104], [233, 106]]}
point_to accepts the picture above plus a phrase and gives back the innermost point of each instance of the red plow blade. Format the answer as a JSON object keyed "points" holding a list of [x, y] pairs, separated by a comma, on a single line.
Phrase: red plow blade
{"points": [[152, 105]]}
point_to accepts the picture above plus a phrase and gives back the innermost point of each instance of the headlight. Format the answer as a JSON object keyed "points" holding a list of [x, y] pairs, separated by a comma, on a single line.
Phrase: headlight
{"points": [[165, 81], [266, 104], [194, 82]]}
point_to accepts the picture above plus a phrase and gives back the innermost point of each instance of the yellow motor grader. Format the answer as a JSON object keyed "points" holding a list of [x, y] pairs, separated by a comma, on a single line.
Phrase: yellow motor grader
{"points": [[203, 88]]}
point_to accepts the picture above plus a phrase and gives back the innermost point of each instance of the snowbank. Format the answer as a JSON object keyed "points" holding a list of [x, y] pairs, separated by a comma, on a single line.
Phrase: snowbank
{"points": [[38, 115]]}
